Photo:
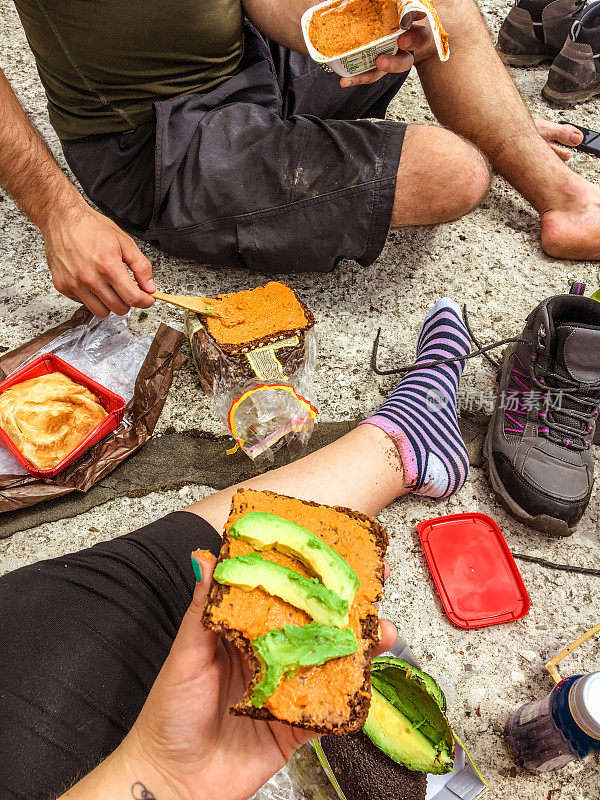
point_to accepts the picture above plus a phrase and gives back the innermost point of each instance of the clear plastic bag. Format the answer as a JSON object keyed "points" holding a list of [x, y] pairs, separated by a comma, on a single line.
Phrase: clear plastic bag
{"points": [[265, 395], [302, 778], [104, 349]]}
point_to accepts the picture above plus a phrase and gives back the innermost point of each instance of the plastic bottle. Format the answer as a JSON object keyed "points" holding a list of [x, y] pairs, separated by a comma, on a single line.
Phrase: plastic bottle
{"points": [[547, 734]]}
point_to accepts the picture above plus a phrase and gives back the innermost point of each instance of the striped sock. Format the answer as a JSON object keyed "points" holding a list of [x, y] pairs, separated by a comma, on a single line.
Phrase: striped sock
{"points": [[420, 416]]}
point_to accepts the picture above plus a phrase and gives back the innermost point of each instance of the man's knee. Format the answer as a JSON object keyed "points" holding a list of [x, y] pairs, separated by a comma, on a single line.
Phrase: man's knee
{"points": [[441, 177], [470, 183]]}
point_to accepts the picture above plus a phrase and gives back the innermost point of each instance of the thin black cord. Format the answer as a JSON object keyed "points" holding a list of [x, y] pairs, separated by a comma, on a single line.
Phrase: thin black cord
{"points": [[402, 370], [551, 565], [495, 364]]}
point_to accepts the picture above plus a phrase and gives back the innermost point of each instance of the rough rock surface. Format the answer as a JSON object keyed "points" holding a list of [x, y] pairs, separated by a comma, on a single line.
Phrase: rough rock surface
{"points": [[491, 260]]}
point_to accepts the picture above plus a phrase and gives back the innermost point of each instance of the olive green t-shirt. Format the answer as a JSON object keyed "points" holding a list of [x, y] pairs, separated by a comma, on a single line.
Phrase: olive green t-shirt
{"points": [[104, 62]]}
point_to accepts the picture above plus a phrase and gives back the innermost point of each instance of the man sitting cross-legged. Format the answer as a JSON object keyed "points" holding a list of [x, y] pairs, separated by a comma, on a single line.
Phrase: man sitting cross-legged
{"points": [[221, 141]]}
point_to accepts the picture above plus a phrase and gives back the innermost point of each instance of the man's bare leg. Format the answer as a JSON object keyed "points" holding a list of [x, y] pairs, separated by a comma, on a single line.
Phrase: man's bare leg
{"points": [[362, 470], [441, 177], [473, 95]]}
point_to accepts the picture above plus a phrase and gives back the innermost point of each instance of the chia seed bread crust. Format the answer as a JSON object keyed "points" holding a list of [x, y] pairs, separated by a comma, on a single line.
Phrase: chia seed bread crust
{"points": [[219, 364], [350, 719]]}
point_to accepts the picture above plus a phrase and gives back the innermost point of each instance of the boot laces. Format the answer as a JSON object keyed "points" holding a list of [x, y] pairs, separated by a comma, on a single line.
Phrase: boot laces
{"points": [[572, 436], [559, 427], [482, 350]]}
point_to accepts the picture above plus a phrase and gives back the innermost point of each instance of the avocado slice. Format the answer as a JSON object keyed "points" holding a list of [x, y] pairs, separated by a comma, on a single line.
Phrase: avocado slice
{"points": [[286, 650], [268, 531], [253, 570], [406, 720]]}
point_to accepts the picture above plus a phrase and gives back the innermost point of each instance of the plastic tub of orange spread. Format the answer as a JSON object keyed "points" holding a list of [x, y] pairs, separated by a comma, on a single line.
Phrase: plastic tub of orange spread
{"points": [[346, 36], [56, 421]]}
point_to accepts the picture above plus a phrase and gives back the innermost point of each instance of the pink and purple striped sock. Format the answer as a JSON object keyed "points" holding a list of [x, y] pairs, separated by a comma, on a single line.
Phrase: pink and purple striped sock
{"points": [[420, 416]]}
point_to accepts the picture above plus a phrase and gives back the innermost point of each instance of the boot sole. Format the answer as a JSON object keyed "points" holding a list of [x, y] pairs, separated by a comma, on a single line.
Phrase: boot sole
{"points": [[566, 99], [512, 60], [548, 525]]}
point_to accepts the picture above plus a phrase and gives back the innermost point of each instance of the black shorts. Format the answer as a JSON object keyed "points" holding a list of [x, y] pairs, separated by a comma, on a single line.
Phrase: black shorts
{"points": [[82, 638], [279, 169]]}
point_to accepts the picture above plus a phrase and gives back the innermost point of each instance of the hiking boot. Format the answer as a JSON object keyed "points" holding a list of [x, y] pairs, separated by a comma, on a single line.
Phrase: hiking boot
{"points": [[574, 76], [538, 444], [535, 30]]}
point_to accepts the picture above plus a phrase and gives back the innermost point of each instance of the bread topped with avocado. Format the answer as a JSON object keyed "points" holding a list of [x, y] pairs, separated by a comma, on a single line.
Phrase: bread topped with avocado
{"points": [[295, 588]]}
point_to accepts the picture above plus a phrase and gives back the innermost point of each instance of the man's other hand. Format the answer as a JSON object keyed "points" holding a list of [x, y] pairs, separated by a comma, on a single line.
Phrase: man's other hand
{"points": [[89, 257], [415, 44]]}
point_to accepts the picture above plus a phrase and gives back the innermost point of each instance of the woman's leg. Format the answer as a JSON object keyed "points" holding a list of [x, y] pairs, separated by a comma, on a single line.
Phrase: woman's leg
{"points": [[93, 628], [412, 443], [82, 639], [362, 470]]}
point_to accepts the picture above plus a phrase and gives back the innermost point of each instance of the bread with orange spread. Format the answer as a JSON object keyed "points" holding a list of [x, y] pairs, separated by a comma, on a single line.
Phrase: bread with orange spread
{"points": [[250, 320], [256, 317], [332, 697]]}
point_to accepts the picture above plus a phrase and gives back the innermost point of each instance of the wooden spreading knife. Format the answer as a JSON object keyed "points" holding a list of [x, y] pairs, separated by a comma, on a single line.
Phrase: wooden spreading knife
{"points": [[201, 305]]}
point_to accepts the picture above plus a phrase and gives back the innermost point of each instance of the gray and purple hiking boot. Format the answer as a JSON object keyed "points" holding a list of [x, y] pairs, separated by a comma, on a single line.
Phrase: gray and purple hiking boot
{"points": [[574, 76], [535, 30], [538, 445]]}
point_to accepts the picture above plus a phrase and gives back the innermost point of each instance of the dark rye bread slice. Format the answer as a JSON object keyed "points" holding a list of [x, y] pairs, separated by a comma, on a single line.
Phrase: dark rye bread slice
{"points": [[335, 697], [220, 364], [364, 772]]}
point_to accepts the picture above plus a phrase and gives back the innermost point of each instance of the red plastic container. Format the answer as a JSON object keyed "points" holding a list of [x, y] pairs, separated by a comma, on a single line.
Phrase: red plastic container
{"points": [[112, 403], [473, 569]]}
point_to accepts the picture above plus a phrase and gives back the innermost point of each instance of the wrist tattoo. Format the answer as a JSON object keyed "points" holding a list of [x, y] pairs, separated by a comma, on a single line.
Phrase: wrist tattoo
{"points": [[139, 792]]}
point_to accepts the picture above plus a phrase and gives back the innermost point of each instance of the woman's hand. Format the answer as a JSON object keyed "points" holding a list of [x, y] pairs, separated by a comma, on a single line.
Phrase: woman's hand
{"points": [[185, 745], [185, 728]]}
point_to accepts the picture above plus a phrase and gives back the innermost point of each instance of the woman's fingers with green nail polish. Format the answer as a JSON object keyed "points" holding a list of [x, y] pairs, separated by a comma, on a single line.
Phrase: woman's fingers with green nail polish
{"points": [[197, 568], [194, 646], [202, 559]]}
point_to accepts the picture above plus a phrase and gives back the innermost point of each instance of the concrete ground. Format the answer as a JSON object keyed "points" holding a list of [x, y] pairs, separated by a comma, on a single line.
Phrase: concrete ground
{"points": [[491, 260]]}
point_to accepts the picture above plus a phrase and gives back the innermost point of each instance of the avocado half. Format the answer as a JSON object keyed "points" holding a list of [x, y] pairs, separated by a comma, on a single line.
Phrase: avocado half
{"points": [[406, 718], [363, 772]]}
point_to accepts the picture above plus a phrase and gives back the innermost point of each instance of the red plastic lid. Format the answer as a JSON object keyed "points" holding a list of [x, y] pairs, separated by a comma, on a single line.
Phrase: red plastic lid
{"points": [[473, 569]]}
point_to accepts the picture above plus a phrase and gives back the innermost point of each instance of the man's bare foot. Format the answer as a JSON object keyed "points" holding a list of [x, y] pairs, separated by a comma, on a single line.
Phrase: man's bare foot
{"points": [[573, 229], [554, 132]]}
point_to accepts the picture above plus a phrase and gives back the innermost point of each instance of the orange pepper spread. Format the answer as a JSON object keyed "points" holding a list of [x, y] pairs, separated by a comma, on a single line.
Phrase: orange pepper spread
{"points": [[348, 24], [256, 314], [317, 692]]}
